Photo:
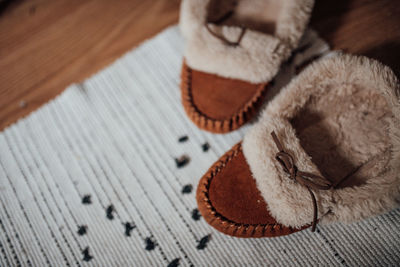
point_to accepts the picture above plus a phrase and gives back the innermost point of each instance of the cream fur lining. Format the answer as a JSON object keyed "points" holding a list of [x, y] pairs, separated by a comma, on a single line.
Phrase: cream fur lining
{"points": [[258, 57], [337, 79]]}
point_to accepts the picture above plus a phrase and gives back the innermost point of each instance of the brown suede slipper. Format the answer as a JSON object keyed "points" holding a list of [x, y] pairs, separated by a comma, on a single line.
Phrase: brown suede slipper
{"points": [[228, 199], [234, 48], [325, 150]]}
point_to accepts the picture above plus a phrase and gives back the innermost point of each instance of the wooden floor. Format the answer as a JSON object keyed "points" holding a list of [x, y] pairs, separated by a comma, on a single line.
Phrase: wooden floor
{"points": [[45, 45]]}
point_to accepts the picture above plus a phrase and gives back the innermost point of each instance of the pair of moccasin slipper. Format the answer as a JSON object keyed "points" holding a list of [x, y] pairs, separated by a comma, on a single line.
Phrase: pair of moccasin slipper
{"points": [[326, 149]]}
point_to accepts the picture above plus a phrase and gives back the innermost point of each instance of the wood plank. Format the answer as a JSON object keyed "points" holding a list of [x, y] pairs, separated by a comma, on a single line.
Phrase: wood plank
{"points": [[367, 27], [47, 45]]}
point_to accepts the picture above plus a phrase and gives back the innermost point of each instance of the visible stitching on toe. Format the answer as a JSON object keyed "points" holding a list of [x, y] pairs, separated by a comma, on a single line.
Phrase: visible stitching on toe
{"points": [[219, 217], [205, 122]]}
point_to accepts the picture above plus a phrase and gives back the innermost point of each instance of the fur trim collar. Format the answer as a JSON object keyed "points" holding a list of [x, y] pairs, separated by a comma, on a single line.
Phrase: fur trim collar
{"points": [[258, 57], [339, 76]]}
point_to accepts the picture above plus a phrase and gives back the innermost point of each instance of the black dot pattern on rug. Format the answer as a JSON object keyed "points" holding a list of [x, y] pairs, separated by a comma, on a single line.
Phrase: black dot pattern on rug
{"points": [[82, 229], [183, 139], [174, 263], [205, 147], [150, 245], [203, 242], [128, 228], [86, 254], [187, 189], [87, 199], [196, 215], [110, 212], [182, 161]]}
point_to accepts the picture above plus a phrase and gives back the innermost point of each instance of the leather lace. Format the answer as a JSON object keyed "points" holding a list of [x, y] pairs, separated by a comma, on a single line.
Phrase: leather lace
{"points": [[306, 179], [221, 36], [224, 39]]}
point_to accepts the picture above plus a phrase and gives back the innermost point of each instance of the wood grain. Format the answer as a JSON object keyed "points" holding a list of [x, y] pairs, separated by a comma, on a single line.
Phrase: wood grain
{"points": [[367, 27], [46, 45]]}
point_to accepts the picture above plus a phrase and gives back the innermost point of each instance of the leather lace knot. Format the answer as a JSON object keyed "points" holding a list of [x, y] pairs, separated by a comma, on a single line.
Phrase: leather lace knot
{"points": [[306, 179]]}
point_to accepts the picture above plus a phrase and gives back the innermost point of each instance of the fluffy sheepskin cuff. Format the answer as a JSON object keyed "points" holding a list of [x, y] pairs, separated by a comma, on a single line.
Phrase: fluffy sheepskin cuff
{"points": [[342, 75], [258, 57]]}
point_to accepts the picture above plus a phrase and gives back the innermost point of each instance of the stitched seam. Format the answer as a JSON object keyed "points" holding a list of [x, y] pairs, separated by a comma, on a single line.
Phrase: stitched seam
{"points": [[223, 220], [235, 116], [237, 119]]}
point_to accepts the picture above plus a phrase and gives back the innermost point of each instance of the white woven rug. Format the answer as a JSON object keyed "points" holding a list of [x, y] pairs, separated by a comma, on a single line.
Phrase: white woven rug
{"points": [[91, 179]]}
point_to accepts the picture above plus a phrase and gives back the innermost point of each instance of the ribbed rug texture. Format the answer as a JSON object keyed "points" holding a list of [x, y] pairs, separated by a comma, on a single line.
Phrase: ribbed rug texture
{"points": [[105, 175]]}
